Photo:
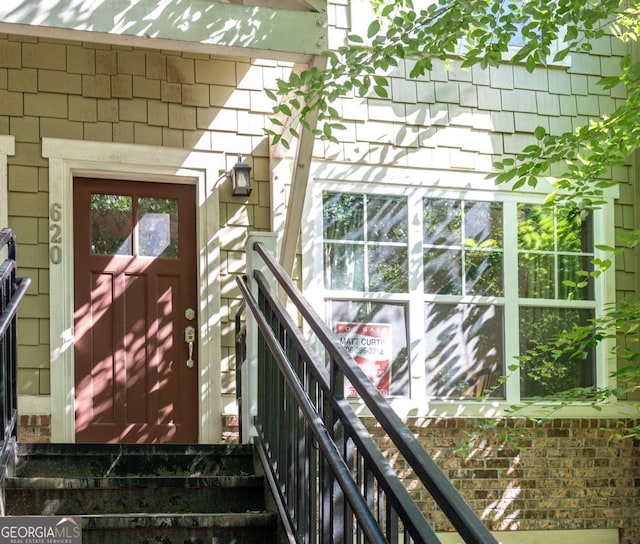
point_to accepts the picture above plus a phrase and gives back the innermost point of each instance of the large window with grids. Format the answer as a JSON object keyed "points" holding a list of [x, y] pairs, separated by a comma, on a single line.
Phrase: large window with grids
{"points": [[437, 293]]}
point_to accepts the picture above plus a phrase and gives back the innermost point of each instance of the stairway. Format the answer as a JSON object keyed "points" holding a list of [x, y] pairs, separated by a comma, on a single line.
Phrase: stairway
{"points": [[143, 494]]}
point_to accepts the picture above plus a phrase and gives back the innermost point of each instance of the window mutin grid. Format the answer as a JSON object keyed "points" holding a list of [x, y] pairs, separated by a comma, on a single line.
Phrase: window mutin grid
{"points": [[365, 242]]}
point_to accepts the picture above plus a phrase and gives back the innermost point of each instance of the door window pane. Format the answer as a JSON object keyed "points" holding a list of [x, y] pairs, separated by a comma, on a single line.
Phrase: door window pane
{"points": [[464, 350], [111, 224], [158, 227], [552, 373]]}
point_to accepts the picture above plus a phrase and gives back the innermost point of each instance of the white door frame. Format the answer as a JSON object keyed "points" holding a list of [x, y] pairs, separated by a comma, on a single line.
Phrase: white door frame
{"points": [[7, 147], [69, 158]]}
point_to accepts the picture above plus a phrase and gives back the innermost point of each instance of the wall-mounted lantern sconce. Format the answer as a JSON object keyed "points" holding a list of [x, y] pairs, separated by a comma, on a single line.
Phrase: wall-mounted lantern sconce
{"points": [[241, 178]]}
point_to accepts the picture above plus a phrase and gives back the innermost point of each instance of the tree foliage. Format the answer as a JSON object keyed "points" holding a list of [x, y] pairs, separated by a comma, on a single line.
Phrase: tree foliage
{"points": [[482, 32]]}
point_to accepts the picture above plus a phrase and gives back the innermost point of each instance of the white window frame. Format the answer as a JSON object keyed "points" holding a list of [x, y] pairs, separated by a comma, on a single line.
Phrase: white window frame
{"points": [[416, 184]]}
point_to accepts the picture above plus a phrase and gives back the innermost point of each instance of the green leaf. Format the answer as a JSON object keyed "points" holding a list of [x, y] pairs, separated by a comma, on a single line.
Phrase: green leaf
{"points": [[381, 91], [373, 29], [519, 183]]}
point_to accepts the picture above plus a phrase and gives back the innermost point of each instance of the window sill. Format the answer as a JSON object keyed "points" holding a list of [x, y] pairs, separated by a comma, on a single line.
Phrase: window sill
{"points": [[457, 408]]}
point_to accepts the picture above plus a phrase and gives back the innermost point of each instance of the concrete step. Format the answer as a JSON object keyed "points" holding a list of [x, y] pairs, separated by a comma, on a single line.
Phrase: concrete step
{"points": [[245, 528], [179, 495], [145, 493], [110, 460]]}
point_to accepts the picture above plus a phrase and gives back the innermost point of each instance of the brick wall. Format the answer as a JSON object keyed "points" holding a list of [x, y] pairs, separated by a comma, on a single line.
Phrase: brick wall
{"points": [[564, 475], [34, 428]]}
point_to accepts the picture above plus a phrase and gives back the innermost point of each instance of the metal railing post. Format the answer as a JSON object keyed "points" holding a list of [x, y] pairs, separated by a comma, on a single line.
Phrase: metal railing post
{"points": [[12, 291]]}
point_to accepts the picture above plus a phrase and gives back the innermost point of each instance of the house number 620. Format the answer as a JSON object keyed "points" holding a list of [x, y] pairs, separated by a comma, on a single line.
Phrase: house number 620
{"points": [[55, 238]]}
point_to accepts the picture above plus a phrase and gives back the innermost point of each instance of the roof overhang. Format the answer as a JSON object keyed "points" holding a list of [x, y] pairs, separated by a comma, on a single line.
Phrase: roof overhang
{"points": [[199, 26]]}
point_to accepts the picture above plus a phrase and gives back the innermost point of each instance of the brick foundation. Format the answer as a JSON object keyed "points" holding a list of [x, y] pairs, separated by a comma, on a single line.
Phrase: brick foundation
{"points": [[567, 474], [230, 428], [564, 475], [34, 428]]}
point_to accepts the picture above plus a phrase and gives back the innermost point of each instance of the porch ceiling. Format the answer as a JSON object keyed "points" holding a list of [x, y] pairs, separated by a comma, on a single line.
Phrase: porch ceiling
{"points": [[278, 29]]}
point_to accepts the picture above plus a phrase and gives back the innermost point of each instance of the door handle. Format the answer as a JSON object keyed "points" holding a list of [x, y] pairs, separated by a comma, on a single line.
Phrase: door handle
{"points": [[190, 338]]}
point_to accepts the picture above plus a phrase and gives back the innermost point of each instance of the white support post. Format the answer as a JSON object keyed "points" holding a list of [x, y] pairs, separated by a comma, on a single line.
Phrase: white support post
{"points": [[250, 383]]}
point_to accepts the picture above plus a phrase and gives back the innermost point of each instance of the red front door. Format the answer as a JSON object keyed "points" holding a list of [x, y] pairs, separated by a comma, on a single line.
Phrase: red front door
{"points": [[134, 298]]}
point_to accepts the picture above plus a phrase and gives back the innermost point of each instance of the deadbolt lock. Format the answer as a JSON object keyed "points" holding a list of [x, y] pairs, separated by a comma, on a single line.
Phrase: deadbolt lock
{"points": [[190, 314]]}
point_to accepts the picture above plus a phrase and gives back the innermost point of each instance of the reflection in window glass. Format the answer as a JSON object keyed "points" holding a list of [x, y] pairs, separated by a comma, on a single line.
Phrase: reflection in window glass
{"points": [[442, 220], [365, 243], [555, 249], [343, 216], [386, 219], [343, 266], [462, 247], [483, 224], [375, 334], [544, 375], [158, 227], [387, 269], [443, 271], [464, 350], [111, 224]]}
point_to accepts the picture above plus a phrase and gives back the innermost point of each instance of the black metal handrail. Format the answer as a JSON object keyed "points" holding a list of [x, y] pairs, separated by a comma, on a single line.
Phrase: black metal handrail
{"points": [[334, 482], [12, 291]]}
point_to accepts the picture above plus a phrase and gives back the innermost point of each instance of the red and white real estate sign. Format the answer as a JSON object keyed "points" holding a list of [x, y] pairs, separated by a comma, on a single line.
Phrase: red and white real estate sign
{"points": [[370, 346]]}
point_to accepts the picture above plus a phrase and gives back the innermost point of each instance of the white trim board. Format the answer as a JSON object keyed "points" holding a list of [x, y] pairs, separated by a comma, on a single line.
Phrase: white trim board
{"points": [[69, 158], [201, 27], [583, 536], [7, 147]]}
